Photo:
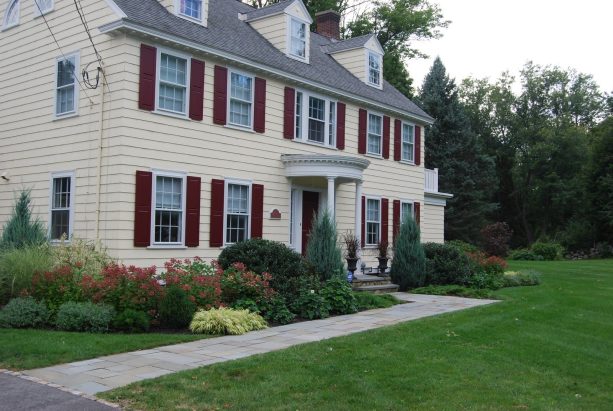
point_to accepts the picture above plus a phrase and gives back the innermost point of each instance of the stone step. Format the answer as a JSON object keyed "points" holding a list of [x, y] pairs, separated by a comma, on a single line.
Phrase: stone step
{"points": [[371, 281], [377, 289]]}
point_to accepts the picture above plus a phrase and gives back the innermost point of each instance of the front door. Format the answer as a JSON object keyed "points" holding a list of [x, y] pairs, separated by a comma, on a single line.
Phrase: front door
{"points": [[310, 206]]}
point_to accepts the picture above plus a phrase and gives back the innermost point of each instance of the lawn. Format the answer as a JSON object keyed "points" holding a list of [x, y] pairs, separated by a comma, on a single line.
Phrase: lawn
{"points": [[26, 349], [545, 347]]}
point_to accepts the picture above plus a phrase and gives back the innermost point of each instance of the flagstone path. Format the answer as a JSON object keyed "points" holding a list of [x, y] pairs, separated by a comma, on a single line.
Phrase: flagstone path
{"points": [[105, 373]]}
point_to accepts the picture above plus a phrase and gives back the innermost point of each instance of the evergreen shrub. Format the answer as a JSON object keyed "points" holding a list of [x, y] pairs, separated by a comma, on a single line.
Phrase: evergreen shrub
{"points": [[89, 317], [176, 309], [323, 252], [22, 229], [24, 313], [409, 263], [445, 264], [131, 321]]}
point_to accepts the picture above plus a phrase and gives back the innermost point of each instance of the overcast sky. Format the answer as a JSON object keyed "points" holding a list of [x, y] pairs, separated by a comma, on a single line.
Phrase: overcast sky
{"points": [[487, 37]]}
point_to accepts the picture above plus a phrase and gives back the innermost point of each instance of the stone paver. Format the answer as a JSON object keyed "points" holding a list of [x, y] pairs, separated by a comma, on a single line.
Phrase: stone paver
{"points": [[105, 373]]}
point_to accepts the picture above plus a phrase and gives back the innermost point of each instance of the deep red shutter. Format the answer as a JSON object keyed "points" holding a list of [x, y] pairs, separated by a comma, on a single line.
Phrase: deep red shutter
{"points": [[385, 220], [142, 209], [146, 86], [289, 113], [386, 137], [259, 112], [217, 202], [363, 222], [362, 131], [220, 95], [397, 140], [416, 210], [257, 210], [417, 145], [192, 212], [340, 125], [396, 219], [196, 90]]}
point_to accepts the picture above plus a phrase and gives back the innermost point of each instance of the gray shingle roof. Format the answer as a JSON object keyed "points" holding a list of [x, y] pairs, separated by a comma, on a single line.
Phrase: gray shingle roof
{"points": [[269, 10], [348, 44], [226, 33]]}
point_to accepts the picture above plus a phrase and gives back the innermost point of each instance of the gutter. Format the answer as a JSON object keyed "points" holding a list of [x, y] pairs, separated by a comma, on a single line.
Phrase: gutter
{"points": [[138, 28]]}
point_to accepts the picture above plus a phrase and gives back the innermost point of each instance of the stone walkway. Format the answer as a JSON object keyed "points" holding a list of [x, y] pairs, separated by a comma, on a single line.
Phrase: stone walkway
{"points": [[105, 373]]}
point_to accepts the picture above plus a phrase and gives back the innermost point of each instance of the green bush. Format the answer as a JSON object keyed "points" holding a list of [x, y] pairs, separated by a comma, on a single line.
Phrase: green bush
{"points": [[24, 313], [285, 265], [277, 311], [454, 290], [310, 304], [339, 296], [322, 251], [131, 321], [21, 229], [17, 268], [409, 263], [521, 278], [549, 251], [87, 316], [176, 309], [445, 264], [226, 321], [524, 254], [486, 279], [367, 301]]}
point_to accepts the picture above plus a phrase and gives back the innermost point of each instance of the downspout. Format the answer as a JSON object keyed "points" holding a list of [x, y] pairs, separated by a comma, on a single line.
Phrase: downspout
{"points": [[99, 164]]}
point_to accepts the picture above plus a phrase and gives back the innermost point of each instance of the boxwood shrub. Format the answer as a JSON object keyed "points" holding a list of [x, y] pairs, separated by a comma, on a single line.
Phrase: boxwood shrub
{"points": [[24, 313], [90, 317], [446, 264]]}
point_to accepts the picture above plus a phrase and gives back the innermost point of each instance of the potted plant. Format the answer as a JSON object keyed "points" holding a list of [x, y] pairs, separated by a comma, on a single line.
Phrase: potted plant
{"points": [[383, 257], [352, 245]]}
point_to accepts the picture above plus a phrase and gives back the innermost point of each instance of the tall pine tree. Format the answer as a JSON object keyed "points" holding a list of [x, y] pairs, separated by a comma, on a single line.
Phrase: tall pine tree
{"points": [[451, 146]]}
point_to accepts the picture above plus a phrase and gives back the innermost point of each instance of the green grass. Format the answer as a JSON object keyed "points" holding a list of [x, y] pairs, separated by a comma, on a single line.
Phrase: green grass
{"points": [[26, 349], [548, 347], [368, 301], [456, 290]]}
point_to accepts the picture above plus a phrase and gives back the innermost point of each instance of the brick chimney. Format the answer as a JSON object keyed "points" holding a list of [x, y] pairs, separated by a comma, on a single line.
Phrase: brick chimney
{"points": [[328, 24]]}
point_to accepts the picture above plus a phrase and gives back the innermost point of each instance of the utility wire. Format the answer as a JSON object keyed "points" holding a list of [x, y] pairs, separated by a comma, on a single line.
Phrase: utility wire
{"points": [[83, 19]]}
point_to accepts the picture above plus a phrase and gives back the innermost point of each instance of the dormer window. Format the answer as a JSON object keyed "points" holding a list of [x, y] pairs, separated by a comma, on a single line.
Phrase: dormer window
{"points": [[374, 69], [298, 39], [191, 9]]}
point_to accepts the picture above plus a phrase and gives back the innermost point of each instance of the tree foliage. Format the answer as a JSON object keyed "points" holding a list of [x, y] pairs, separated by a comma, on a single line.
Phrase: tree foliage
{"points": [[323, 251], [409, 263], [22, 229]]}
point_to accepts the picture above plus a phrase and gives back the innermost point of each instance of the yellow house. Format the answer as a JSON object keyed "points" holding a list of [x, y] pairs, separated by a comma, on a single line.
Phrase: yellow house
{"points": [[173, 128]]}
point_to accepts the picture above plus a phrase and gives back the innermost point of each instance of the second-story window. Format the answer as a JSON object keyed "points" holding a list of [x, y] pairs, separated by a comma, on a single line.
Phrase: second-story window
{"points": [[241, 99], [315, 119], [408, 142], [191, 8], [375, 131], [66, 85], [298, 39], [374, 69], [172, 89]]}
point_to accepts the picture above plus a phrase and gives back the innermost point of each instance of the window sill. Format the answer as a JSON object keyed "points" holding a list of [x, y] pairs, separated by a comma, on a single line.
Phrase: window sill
{"points": [[63, 116], [379, 156], [311, 143], [240, 128], [170, 114], [298, 58], [167, 247], [190, 18], [410, 163]]}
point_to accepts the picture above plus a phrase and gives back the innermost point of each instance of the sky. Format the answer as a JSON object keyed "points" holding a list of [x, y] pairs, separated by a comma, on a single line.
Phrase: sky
{"points": [[487, 37]]}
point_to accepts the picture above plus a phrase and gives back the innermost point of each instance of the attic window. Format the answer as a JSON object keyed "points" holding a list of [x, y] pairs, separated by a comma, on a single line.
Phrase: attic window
{"points": [[374, 69], [298, 39], [191, 9], [11, 16]]}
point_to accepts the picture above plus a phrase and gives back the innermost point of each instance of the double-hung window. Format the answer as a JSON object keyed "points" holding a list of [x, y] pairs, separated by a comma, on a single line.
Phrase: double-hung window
{"points": [[42, 6], [408, 142], [62, 203], [191, 8], [374, 69], [172, 88], [375, 131], [66, 87], [406, 210], [315, 119], [238, 206], [11, 15], [169, 208], [297, 39], [373, 221], [241, 99]]}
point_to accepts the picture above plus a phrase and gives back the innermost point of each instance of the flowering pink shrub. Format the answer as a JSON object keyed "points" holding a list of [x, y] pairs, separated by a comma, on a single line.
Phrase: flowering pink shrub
{"points": [[240, 284], [201, 281], [57, 286]]}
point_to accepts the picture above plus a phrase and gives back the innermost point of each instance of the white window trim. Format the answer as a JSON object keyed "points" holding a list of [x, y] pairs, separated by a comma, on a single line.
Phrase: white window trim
{"points": [[77, 87], [62, 174], [307, 39], [403, 202], [39, 12], [304, 118], [229, 95], [366, 198], [380, 57], [404, 160], [202, 20], [242, 182], [174, 174], [5, 24], [368, 114], [158, 65]]}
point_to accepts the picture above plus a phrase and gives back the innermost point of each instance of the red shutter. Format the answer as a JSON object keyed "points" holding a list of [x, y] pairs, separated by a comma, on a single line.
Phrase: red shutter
{"points": [[417, 145], [142, 209], [362, 131], [289, 113], [257, 210], [416, 210], [385, 220], [217, 202], [397, 140], [192, 212], [396, 219], [259, 112], [363, 222], [340, 125], [220, 95], [146, 86], [196, 90], [386, 137]]}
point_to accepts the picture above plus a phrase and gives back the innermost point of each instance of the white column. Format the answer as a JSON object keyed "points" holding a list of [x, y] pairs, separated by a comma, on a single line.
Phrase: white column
{"points": [[331, 196], [358, 209]]}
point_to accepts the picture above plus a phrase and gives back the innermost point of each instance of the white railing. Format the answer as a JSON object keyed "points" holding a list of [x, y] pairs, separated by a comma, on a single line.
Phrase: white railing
{"points": [[431, 180]]}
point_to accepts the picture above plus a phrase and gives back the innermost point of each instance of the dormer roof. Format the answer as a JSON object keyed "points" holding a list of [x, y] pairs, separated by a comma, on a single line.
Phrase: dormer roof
{"points": [[278, 8], [368, 41]]}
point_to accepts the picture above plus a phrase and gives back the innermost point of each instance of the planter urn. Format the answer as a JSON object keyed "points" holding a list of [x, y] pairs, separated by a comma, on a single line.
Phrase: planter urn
{"points": [[352, 265], [382, 265]]}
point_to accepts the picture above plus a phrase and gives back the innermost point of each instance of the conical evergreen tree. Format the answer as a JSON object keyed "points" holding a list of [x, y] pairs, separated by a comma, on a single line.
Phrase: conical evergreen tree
{"points": [[451, 146], [409, 263], [21, 229], [322, 250]]}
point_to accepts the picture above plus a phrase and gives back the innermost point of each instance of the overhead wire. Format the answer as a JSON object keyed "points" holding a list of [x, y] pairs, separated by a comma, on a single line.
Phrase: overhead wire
{"points": [[81, 13]]}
